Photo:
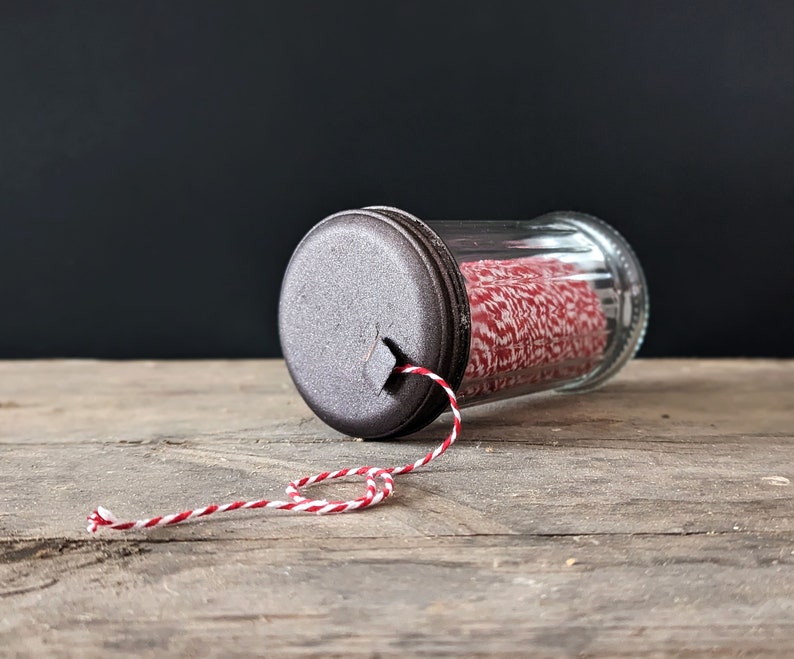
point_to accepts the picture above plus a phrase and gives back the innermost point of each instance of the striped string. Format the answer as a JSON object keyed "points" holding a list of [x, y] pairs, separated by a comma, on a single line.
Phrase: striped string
{"points": [[374, 476]]}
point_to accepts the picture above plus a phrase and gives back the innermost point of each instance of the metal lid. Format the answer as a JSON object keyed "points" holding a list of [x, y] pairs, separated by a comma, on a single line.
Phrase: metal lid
{"points": [[366, 290]]}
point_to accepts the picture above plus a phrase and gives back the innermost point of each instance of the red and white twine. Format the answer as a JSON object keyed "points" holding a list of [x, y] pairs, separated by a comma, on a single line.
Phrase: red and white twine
{"points": [[535, 322], [374, 494]]}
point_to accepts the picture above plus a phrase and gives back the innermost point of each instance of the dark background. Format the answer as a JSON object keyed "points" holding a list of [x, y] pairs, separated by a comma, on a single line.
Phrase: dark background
{"points": [[160, 161]]}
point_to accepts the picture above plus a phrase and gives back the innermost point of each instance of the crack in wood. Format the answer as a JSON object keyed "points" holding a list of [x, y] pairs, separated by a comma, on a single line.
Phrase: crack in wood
{"points": [[29, 589]]}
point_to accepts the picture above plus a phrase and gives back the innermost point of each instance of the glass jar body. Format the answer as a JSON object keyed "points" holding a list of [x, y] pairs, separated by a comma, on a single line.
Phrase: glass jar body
{"points": [[498, 309], [558, 302]]}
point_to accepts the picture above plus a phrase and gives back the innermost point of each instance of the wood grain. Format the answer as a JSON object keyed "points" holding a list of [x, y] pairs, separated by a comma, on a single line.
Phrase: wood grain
{"points": [[655, 515]]}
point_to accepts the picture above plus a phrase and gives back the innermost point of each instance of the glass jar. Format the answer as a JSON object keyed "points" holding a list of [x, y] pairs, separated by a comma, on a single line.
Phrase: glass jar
{"points": [[498, 309]]}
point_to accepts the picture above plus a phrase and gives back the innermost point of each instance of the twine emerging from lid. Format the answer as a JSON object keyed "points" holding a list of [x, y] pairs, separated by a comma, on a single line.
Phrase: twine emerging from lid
{"points": [[375, 494]]}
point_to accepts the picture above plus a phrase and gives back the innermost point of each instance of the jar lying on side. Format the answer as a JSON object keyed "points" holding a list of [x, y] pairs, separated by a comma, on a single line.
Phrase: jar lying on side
{"points": [[496, 308]]}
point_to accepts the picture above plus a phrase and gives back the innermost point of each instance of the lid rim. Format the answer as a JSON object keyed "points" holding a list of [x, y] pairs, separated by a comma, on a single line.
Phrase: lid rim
{"points": [[458, 341]]}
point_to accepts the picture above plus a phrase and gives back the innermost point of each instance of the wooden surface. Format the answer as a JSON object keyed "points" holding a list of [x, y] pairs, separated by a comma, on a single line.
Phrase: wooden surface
{"points": [[652, 516]]}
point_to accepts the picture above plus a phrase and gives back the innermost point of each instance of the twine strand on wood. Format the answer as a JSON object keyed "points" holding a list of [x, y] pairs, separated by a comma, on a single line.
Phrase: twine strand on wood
{"points": [[103, 518]]}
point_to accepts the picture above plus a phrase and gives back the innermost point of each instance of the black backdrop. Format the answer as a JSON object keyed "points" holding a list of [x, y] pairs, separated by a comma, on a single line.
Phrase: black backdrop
{"points": [[159, 161]]}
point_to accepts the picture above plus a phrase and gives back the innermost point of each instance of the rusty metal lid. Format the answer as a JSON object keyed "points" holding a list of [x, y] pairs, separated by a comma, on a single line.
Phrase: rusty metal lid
{"points": [[366, 290]]}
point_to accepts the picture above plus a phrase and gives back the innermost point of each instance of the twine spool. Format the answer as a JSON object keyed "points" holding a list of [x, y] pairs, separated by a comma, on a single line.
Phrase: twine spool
{"points": [[532, 321]]}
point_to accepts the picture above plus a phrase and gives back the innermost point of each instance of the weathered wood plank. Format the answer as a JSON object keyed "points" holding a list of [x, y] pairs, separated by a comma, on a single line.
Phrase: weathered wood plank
{"points": [[656, 514], [81, 401], [544, 489], [616, 595]]}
